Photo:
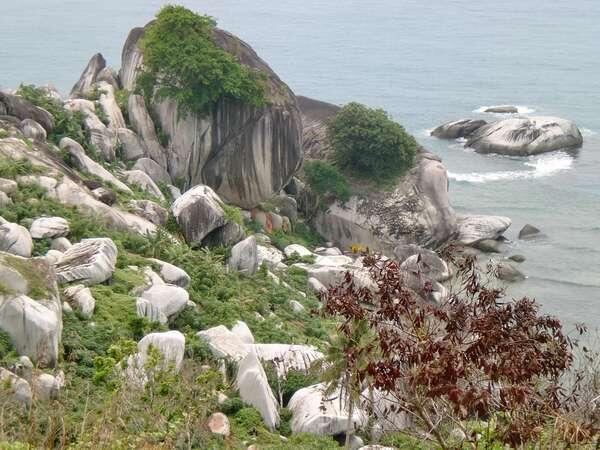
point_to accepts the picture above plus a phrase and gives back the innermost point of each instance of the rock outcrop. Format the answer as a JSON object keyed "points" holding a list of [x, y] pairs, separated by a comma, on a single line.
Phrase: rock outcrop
{"points": [[84, 85], [246, 154], [458, 129], [90, 261], [12, 105], [15, 239], [526, 136]]}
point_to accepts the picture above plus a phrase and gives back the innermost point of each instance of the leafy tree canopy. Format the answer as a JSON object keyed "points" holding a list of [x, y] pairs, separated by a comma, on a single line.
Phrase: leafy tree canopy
{"points": [[182, 63]]}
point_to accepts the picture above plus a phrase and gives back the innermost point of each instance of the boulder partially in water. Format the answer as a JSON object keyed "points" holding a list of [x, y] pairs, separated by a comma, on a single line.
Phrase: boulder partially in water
{"points": [[526, 136], [458, 128]]}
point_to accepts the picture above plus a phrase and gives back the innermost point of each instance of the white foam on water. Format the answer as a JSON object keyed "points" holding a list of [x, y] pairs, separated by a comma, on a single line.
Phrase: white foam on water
{"points": [[521, 109], [426, 132], [586, 132], [542, 166]]}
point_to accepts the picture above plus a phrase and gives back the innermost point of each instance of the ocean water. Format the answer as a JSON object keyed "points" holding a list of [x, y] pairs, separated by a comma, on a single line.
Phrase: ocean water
{"points": [[425, 63]]}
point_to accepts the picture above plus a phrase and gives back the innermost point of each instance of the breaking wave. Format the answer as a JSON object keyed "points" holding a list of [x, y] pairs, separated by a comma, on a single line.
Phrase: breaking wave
{"points": [[541, 166]]}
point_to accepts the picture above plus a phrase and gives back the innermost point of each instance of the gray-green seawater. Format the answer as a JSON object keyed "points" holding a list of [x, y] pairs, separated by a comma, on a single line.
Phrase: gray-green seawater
{"points": [[425, 62]]}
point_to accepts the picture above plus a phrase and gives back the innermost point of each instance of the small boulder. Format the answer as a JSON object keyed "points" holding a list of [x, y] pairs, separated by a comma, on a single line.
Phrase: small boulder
{"points": [[271, 257], [81, 298], [15, 239], [8, 186], [428, 264], [224, 343], [49, 227], [172, 274], [33, 130], [517, 258], [143, 181], [296, 306], [162, 301], [53, 256], [296, 248], [62, 244], [5, 200], [528, 232], [106, 196], [47, 387], [508, 272], [489, 246], [504, 109], [91, 261], [132, 146], [153, 170], [15, 386], [218, 424], [316, 285], [149, 210], [472, 229], [244, 257], [198, 212]]}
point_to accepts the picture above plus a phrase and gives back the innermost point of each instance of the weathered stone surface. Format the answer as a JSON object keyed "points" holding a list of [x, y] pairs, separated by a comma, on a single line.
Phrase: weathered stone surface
{"points": [[15, 239], [525, 136], [297, 249], [254, 389], [286, 357], [218, 424], [149, 210], [316, 285], [5, 200], [49, 227], [132, 145], [241, 330], [458, 129], [246, 154], [47, 387], [62, 244], [81, 298], [83, 86], [505, 109], [85, 163], [428, 264], [34, 329], [14, 386], [313, 413], [164, 301], [271, 257], [106, 196], [517, 258], [528, 231], [172, 274], [144, 127], [101, 137], [244, 257], [33, 130], [489, 246], [8, 186], [109, 105], [508, 272], [143, 181], [91, 261], [12, 105], [53, 256], [228, 235], [198, 212], [107, 75], [153, 170], [224, 343], [472, 229]]}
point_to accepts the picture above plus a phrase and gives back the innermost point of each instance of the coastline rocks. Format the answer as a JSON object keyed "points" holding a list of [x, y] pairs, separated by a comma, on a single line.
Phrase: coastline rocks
{"points": [[472, 229], [15, 239], [508, 272], [517, 258], [525, 136], [91, 261], [101, 137], [246, 154], [457, 129], [198, 212], [528, 232], [109, 105], [489, 246], [49, 227], [505, 109], [13, 105]]}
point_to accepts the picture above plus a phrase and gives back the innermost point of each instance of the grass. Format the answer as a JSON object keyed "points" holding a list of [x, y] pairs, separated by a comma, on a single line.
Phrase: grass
{"points": [[34, 272], [12, 168]]}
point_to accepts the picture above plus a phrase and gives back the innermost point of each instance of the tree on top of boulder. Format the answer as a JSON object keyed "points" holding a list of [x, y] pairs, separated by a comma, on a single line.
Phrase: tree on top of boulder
{"points": [[368, 144], [182, 63]]}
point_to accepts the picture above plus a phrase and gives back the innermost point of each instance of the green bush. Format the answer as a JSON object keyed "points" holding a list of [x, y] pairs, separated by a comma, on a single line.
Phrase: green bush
{"points": [[325, 179], [368, 144], [181, 62]]}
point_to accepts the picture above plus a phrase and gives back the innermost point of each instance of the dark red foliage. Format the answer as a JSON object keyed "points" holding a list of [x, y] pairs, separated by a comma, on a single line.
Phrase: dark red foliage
{"points": [[475, 354]]}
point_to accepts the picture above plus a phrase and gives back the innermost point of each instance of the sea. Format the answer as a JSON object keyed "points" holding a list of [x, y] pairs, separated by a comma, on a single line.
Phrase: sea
{"points": [[425, 62]]}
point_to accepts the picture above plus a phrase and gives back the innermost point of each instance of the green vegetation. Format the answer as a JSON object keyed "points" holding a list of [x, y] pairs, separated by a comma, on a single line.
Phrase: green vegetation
{"points": [[301, 234], [12, 168], [5, 345], [326, 180], [368, 144], [3, 133], [66, 124], [34, 272], [182, 63], [233, 214]]}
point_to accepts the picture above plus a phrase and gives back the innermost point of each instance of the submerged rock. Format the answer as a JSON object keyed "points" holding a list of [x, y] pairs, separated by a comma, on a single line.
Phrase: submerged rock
{"points": [[506, 109], [507, 272], [526, 136], [529, 231]]}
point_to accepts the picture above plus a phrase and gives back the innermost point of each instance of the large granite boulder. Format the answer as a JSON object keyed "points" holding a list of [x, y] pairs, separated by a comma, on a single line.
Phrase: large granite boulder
{"points": [[108, 103], [33, 130], [80, 298], [144, 182], [15, 239], [472, 229], [172, 274], [162, 301], [525, 136], [83, 86], [458, 128], [49, 227], [103, 139], [244, 257], [246, 154], [90, 261]]}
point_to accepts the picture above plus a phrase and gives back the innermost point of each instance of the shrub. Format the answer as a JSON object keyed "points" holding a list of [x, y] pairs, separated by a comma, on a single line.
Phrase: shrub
{"points": [[326, 180], [368, 144], [181, 62], [66, 123]]}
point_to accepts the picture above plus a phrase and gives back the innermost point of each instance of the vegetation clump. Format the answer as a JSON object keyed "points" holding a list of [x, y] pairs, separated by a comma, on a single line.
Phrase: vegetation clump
{"points": [[182, 63], [325, 180], [368, 144]]}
